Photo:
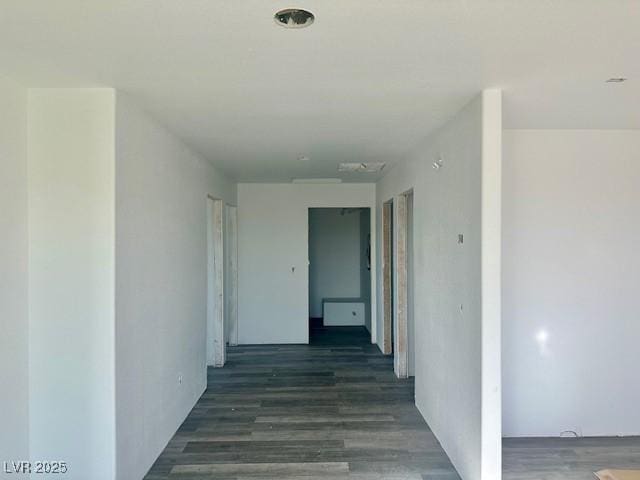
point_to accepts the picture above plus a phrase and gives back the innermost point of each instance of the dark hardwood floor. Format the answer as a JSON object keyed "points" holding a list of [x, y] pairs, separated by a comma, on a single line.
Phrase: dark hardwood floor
{"points": [[329, 410]]}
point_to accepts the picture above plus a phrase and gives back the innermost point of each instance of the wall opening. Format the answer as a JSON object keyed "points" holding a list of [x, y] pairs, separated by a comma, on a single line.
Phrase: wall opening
{"points": [[339, 271]]}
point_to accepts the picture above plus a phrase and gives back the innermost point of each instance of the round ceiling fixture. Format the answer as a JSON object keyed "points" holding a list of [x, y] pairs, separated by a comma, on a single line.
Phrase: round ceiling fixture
{"points": [[294, 18]]}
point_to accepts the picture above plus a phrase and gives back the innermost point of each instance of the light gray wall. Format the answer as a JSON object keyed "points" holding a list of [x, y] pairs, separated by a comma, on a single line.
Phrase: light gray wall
{"points": [[273, 231], [161, 279], [14, 348], [334, 256], [454, 337], [71, 279], [571, 277]]}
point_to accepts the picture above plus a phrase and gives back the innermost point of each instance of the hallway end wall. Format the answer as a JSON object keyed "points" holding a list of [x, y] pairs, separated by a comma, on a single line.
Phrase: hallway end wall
{"points": [[273, 278]]}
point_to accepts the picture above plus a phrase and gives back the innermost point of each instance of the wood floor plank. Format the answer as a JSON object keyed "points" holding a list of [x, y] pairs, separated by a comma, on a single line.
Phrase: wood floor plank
{"points": [[281, 469]]}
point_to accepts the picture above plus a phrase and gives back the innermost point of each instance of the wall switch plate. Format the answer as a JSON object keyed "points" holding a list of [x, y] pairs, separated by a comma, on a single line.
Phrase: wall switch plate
{"points": [[460, 238]]}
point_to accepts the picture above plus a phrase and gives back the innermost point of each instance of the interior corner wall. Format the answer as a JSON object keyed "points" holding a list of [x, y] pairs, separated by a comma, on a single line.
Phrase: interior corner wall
{"points": [[273, 255], [71, 279], [334, 256], [161, 281], [14, 346], [571, 275], [448, 278]]}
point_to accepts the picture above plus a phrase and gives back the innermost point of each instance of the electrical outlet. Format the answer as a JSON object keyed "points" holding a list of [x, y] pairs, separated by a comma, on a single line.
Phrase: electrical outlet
{"points": [[179, 379]]}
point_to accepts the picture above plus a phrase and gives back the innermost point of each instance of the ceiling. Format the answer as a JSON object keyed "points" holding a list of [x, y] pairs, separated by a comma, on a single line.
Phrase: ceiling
{"points": [[366, 82]]}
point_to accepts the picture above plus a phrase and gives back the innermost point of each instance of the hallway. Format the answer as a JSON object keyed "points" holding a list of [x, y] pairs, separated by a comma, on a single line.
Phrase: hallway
{"points": [[329, 410]]}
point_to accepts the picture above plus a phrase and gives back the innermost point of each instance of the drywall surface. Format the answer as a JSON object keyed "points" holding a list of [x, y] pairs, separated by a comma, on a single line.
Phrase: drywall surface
{"points": [[161, 281], [334, 256], [14, 346], [71, 279], [448, 306], [273, 257], [571, 276]]}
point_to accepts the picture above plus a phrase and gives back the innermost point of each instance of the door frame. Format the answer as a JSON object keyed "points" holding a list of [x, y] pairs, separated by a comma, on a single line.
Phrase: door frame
{"points": [[231, 281], [216, 342], [387, 279], [400, 297], [394, 282]]}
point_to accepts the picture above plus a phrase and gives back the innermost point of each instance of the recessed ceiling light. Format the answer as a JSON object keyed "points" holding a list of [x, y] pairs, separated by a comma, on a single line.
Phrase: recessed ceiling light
{"points": [[616, 80], [294, 18], [361, 167]]}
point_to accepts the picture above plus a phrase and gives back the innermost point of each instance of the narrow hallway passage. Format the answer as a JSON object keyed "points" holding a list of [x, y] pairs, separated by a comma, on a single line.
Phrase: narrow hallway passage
{"points": [[329, 410]]}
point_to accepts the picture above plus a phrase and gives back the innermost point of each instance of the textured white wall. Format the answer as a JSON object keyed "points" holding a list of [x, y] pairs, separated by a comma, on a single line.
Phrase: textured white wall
{"points": [[334, 256], [71, 279], [273, 230], [571, 277], [161, 280], [14, 348], [450, 346]]}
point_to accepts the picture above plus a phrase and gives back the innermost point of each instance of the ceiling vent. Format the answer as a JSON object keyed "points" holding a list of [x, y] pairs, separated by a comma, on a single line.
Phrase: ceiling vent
{"points": [[358, 167], [294, 18], [316, 180]]}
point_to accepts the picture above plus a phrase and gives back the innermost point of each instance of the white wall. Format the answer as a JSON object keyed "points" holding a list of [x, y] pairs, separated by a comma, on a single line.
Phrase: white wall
{"points": [[334, 256], [161, 278], [71, 279], [14, 348], [451, 350], [571, 277], [273, 239]]}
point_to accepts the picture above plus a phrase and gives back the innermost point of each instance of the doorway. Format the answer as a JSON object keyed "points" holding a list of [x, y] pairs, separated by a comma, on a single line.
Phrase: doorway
{"points": [[339, 245]]}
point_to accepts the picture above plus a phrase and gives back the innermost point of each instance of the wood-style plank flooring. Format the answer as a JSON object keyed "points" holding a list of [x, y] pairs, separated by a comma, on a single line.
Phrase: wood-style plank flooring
{"points": [[567, 458], [330, 410], [334, 410]]}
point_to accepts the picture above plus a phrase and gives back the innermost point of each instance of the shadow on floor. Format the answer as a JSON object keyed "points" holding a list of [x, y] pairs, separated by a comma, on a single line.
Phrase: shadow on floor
{"points": [[338, 336]]}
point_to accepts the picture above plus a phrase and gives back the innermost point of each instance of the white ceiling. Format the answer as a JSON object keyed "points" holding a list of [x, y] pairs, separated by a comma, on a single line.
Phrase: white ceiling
{"points": [[365, 82]]}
